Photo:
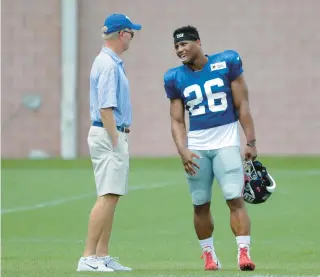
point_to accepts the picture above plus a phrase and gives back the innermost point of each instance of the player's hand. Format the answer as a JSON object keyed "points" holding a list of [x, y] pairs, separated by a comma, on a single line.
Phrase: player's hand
{"points": [[250, 153], [188, 162]]}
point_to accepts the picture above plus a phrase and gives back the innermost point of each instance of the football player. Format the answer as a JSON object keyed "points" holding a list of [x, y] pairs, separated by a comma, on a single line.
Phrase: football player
{"points": [[213, 90]]}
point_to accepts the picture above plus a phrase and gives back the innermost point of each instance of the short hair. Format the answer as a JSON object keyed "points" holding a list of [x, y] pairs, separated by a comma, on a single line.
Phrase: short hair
{"points": [[187, 29], [110, 36]]}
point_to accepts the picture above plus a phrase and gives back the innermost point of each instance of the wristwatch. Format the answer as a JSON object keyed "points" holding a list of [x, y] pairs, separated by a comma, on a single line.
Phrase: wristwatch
{"points": [[251, 143]]}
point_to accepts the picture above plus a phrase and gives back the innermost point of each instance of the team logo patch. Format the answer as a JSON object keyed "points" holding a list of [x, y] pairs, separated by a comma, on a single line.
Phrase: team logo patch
{"points": [[218, 66], [180, 35]]}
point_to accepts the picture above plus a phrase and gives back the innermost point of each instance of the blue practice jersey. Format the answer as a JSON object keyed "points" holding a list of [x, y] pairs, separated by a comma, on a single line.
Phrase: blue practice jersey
{"points": [[206, 93]]}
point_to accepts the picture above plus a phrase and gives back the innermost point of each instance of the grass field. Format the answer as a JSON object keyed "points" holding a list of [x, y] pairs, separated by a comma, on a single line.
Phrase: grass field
{"points": [[45, 208]]}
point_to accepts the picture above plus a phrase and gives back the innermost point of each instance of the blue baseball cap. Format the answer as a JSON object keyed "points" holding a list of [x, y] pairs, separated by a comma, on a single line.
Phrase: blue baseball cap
{"points": [[117, 22]]}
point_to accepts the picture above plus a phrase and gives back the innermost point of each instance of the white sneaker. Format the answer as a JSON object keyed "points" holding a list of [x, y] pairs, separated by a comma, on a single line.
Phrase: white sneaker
{"points": [[112, 262], [92, 264]]}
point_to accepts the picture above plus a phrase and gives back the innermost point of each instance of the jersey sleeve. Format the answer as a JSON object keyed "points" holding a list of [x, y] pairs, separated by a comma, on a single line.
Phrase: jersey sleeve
{"points": [[169, 85], [234, 64]]}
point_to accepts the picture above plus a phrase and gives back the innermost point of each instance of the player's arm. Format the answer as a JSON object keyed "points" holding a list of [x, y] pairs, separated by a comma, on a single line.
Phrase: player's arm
{"points": [[179, 134], [241, 102], [178, 126]]}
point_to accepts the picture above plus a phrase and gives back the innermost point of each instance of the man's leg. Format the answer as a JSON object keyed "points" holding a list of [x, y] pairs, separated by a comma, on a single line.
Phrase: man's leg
{"points": [[240, 226], [228, 169], [100, 225], [101, 213], [200, 186], [111, 169], [117, 186], [100, 147], [203, 221], [204, 226], [239, 219], [103, 244]]}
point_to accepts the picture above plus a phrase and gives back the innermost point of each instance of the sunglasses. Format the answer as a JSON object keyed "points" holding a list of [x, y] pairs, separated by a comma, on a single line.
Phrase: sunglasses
{"points": [[129, 32]]}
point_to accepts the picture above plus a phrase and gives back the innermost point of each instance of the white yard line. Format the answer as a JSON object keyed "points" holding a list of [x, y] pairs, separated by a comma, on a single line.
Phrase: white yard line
{"points": [[77, 197], [276, 172]]}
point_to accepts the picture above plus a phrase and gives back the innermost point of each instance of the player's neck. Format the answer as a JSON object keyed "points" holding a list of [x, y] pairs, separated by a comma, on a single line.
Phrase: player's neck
{"points": [[199, 63]]}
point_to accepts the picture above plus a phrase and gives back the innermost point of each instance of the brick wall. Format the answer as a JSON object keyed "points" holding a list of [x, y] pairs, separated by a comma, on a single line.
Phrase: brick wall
{"points": [[279, 47], [30, 65]]}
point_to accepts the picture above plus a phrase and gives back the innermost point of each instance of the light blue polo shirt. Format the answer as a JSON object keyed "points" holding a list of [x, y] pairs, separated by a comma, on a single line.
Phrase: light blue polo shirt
{"points": [[109, 87]]}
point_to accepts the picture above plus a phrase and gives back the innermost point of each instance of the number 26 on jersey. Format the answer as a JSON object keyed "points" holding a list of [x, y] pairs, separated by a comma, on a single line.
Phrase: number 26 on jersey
{"points": [[197, 106]]}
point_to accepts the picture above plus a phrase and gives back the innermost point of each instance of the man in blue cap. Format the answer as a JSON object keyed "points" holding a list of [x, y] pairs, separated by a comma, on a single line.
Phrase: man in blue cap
{"points": [[110, 112]]}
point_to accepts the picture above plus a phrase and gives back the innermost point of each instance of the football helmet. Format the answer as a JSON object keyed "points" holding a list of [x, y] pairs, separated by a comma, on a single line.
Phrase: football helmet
{"points": [[258, 183]]}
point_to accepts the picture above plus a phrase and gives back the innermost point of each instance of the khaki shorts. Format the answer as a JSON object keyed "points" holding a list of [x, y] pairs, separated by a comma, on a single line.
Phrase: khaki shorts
{"points": [[111, 166]]}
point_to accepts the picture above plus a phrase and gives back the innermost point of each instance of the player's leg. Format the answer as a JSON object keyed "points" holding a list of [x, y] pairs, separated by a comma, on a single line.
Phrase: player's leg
{"points": [[200, 187], [228, 169]]}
